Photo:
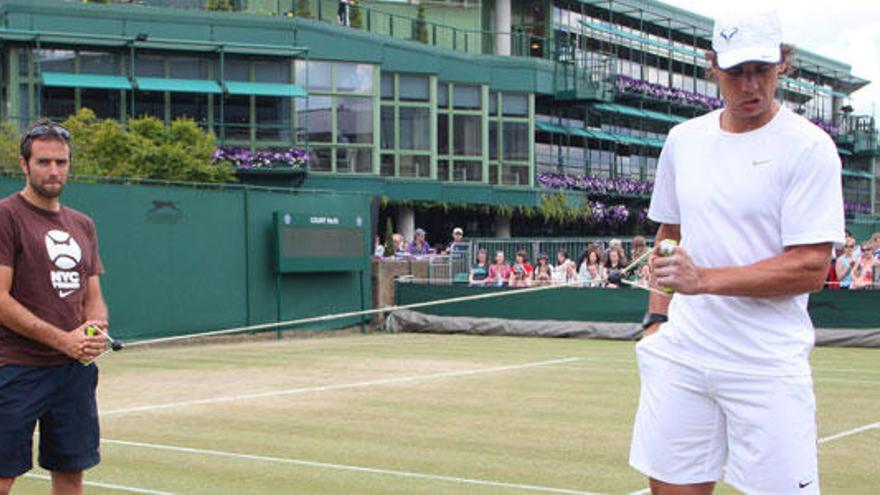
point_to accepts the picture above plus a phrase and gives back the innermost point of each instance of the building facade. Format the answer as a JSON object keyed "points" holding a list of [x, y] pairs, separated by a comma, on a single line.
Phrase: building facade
{"points": [[446, 102]]}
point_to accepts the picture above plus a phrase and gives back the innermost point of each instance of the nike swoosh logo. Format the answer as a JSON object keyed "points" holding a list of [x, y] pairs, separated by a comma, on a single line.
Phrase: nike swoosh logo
{"points": [[64, 293], [759, 163], [804, 485]]}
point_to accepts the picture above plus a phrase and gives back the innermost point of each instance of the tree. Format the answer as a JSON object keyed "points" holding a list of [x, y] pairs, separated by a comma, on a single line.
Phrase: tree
{"points": [[356, 18], [218, 5], [304, 8], [9, 142]]}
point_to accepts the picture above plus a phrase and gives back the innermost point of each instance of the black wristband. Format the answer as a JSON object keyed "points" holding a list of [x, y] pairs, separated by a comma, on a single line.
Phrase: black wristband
{"points": [[652, 318]]}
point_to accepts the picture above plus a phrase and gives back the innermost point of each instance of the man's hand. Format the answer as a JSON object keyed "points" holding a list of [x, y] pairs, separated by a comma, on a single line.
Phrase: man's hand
{"points": [[651, 329], [677, 272], [82, 347]]}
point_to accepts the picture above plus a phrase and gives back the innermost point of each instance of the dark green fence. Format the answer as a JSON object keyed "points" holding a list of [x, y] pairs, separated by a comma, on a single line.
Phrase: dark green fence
{"points": [[828, 309], [182, 260]]}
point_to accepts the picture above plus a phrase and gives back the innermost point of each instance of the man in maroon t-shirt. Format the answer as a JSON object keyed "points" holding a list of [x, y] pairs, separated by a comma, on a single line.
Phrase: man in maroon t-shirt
{"points": [[49, 295]]}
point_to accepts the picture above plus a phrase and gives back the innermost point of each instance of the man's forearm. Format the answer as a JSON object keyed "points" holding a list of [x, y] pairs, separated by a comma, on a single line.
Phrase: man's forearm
{"points": [[796, 271], [16, 317], [656, 302]]}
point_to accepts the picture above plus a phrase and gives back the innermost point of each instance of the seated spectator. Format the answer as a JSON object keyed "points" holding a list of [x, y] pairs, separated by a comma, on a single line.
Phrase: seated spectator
{"points": [[543, 271], [592, 257], [616, 261], [378, 248], [639, 247], [420, 246], [480, 270], [845, 264], [499, 272], [875, 246], [863, 273], [521, 274], [457, 245], [399, 245], [565, 269]]}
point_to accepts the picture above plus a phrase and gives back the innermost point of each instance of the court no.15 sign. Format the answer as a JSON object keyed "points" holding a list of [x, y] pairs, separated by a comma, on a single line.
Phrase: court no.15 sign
{"points": [[320, 243]]}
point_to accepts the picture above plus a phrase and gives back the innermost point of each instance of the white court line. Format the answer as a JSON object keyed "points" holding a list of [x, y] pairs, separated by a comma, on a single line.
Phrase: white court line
{"points": [[98, 484], [345, 467], [339, 386], [849, 433], [640, 492]]}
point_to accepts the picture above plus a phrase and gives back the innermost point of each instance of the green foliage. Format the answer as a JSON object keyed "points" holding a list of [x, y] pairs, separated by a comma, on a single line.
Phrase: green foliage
{"points": [[504, 211], [389, 237], [9, 142], [147, 149], [303, 8], [218, 5], [421, 27], [355, 15], [555, 209]]}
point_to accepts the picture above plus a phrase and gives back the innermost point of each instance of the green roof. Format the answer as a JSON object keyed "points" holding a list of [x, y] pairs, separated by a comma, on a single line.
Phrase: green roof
{"points": [[857, 173], [177, 85], [548, 127], [639, 112], [94, 81], [264, 89]]}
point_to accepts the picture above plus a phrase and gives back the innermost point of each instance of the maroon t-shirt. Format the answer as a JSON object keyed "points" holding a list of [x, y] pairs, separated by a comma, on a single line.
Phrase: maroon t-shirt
{"points": [[52, 255]]}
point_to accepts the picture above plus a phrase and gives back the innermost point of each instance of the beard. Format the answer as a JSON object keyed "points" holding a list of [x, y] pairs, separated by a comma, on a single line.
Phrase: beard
{"points": [[52, 191]]}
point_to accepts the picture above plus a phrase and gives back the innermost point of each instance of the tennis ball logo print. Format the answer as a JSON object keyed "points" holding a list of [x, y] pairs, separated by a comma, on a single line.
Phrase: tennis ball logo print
{"points": [[65, 253]]}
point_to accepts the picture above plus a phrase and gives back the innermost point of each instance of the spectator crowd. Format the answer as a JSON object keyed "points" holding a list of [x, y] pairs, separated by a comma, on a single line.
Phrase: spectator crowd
{"points": [[854, 265]]}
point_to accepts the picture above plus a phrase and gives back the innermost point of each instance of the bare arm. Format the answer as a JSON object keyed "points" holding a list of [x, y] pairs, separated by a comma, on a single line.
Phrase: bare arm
{"points": [[656, 302], [95, 307], [14, 316]]}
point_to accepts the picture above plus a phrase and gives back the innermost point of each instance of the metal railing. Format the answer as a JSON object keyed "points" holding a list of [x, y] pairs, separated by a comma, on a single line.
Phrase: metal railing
{"points": [[574, 246]]}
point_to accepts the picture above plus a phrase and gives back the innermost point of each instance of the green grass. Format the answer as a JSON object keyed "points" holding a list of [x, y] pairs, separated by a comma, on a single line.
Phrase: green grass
{"points": [[565, 425]]}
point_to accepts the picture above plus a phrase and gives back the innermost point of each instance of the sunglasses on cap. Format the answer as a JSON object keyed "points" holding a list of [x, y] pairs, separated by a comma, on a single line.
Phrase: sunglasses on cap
{"points": [[43, 129]]}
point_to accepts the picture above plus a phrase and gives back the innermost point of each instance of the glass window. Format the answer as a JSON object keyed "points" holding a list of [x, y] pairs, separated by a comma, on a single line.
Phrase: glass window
{"points": [[415, 129], [386, 166], [354, 120], [413, 88], [56, 60], [466, 96], [493, 140], [387, 86], [319, 115], [146, 65], [23, 64], [318, 77], [105, 103], [236, 69], [150, 103], [442, 95], [516, 141], [443, 134], [190, 106], [58, 103], [467, 171], [493, 173], [515, 104], [354, 78], [387, 128], [493, 103], [98, 63], [415, 166], [236, 116], [358, 160], [272, 71], [273, 118], [319, 159], [443, 169], [189, 67], [467, 135]]}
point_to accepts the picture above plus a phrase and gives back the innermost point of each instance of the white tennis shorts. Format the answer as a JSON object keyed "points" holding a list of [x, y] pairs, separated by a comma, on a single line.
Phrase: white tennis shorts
{"points": [[692, 423]]}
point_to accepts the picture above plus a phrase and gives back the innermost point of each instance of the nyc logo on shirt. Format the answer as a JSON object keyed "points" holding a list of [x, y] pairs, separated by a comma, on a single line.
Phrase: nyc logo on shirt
{"points": [[65, 253]]}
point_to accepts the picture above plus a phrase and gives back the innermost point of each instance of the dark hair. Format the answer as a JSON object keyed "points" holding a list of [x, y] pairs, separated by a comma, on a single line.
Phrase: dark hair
{"points": [[524, 255], [43, 129]]}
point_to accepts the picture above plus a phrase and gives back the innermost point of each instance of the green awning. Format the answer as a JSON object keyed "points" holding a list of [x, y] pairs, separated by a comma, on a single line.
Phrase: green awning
{"points": [[857, 173], [844, 151], [548, 127], [638, 112], [581, 132], [177, 85], [93, 81], [265, 89]]}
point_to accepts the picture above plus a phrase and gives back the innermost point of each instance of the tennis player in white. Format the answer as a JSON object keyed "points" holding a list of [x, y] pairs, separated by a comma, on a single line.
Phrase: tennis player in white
{"points": [[752, 192]]}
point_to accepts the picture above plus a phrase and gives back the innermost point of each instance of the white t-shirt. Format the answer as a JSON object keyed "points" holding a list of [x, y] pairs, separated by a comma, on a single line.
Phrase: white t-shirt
{"points": [[741, 198]]}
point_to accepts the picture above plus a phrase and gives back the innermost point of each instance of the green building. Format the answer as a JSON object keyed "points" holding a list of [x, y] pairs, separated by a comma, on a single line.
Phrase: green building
{"points": [[482, 106]]}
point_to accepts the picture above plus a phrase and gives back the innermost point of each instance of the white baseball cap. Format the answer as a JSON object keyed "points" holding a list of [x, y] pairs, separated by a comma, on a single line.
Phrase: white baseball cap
{"points": [[748, 36]]}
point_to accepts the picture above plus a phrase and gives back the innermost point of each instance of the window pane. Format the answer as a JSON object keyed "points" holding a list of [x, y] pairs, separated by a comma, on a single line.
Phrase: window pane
{"points": [[152, 103], [517, 175], [493, 173], [493, 103], [442, 95], [413, 88], [98, 63], [190, 106], [358, 160], [319, 159], [56, 60], [466, 96], [354, 78], [58, 103], [146, 65], [386, 167], [354, 120], [105, 103], [319, 125], [236, 69], [188, 67], [273, 118], [319, 75], [515, 104], [236, 116], [443, 170], [468, 135], [467, 171], [387, 86], [443, 134], [387, 127], [493, 140], [415, 129], [415, 166], [516, 141], [272, 71]]}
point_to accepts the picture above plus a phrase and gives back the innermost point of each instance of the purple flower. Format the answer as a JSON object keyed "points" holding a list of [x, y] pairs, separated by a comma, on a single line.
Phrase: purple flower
{"points": [[268, 158]]}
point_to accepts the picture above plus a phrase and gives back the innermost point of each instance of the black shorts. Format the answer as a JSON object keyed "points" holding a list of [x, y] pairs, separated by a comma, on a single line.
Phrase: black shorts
{"points": [[62, 399]]}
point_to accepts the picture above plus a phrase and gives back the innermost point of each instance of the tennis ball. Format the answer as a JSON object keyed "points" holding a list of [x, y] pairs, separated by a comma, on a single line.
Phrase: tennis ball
{"points": [[91, 331], [667, 248]]}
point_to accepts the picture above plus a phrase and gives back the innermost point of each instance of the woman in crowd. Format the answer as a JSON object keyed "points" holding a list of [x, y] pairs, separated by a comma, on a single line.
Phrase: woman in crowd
{"points": [[521, 274], [863, 273], [565, 269], [616, 261], [499, 272], [846, 262], [640, 271], [543, 271], [590, 270], [480, 270]]}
